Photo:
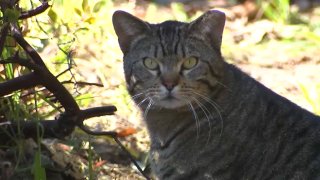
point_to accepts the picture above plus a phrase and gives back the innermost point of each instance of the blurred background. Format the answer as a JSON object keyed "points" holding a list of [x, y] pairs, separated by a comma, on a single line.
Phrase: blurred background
{"points": [[277, 42]]}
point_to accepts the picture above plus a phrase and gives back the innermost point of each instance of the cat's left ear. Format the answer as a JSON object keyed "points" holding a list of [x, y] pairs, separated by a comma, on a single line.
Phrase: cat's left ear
{"points": [[128, 28], [209, 26]]}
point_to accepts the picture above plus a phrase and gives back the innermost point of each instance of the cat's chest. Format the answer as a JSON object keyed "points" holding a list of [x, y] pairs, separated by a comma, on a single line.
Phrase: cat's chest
{"points": [[169, 165], [187, 163]]}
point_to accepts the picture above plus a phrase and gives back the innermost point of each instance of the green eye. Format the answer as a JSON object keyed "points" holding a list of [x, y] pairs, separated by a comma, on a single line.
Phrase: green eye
{"points": [[190, 63], [150, 63]]}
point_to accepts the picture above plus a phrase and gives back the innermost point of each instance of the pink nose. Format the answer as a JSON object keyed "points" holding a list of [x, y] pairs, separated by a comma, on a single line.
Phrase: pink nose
{"points": [[170, 81], [169, 85]]}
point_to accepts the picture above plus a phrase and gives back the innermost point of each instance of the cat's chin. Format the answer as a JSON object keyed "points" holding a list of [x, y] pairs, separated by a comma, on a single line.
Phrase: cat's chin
{"points": [[171, 103]]}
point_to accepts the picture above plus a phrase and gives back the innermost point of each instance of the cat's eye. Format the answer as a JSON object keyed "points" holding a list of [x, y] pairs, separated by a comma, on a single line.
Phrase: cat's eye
{"points": [[150, 63], [190, 63]]}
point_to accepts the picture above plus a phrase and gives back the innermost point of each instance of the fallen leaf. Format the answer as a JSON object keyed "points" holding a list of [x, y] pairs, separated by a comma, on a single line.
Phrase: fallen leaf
{"points": [[127, 132], [100, 163], [63, 147]]}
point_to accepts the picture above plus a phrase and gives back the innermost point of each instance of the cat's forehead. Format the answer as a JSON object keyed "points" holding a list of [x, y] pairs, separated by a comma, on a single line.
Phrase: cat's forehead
{"points": [[168, 29], [169, 25], [167, 38]]}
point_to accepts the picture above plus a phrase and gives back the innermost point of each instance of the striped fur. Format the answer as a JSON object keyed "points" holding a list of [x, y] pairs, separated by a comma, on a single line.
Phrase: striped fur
{"points": [[216, 122]]}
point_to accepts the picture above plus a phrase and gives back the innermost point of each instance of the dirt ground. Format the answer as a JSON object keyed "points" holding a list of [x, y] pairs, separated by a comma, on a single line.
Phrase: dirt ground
{"points": [[286, 78]]}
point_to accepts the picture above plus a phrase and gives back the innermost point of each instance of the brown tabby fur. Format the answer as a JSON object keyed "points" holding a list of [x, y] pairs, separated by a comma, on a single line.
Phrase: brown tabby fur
{"points": [[211, 121]]}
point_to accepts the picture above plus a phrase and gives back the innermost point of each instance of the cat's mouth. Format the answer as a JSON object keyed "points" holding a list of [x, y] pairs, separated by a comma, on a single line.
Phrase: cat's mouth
{"points": [[170, 97], [170, 101]]}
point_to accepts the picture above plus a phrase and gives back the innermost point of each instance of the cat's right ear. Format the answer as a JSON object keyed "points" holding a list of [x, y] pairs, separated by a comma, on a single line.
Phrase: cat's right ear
{"points": [[209, 27], [128, 28]]}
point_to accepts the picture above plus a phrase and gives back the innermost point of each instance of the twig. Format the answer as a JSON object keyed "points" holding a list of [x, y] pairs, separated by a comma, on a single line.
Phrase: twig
{"points": [[114, 135], [131, 157], [64, 71], [100, 133], [44, 6], [82, 83]]}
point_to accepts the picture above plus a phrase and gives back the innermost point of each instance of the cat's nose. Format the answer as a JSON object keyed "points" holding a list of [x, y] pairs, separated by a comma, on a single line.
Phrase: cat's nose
{"points": [[169, 85], [169, 81]]}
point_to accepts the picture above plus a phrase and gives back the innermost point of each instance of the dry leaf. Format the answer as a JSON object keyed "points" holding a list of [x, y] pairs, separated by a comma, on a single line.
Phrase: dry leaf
{"points": [[127, 132]]}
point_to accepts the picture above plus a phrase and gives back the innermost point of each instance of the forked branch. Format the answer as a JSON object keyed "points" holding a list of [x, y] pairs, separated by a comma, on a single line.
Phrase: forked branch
{"points": [[72, 116]]}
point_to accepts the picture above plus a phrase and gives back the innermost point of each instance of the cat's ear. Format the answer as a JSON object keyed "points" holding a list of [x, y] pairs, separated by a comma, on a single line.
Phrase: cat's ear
{"points": [[128, 28], [209, 26]]}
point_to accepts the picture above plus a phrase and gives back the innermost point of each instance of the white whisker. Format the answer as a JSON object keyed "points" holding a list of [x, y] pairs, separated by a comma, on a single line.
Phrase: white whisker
{"points": [[137, 95], [148, 108], [133, 98], [214, 105], [205, 110], [207, 99], [194, 113]]}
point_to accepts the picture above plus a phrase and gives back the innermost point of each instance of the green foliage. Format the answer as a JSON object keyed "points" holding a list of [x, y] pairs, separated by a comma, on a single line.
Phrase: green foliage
{"points": [[179, 12], [38, 171], [97, 7], [52, 15], [11, 15], [276, 10], [90, 160], [280, 11]]}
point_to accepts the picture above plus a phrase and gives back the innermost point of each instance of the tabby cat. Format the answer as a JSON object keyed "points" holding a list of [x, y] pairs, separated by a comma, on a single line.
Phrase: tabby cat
{"points": [[206, 118]]}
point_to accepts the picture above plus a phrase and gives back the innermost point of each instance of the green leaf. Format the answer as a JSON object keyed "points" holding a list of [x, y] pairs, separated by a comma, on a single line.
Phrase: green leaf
{"points": [[84, 99], [85, 6], [98, 6], [78, 11], [90, 20], [38, 171], [45, 99], [9, 71], [10, 42], [11, 15], [52, 15]]}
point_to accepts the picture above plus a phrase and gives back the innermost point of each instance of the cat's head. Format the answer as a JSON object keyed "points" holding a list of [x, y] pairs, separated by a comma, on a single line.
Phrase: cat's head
{"points": [[172, 64]]}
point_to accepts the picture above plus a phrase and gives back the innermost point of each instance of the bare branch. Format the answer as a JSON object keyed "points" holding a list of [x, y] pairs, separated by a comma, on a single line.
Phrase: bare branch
{"points": [[66, 122], [60, 127], [26, 46], [97, 111], [44, 6], [18, 83], [28, 129], [44, 75]]}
